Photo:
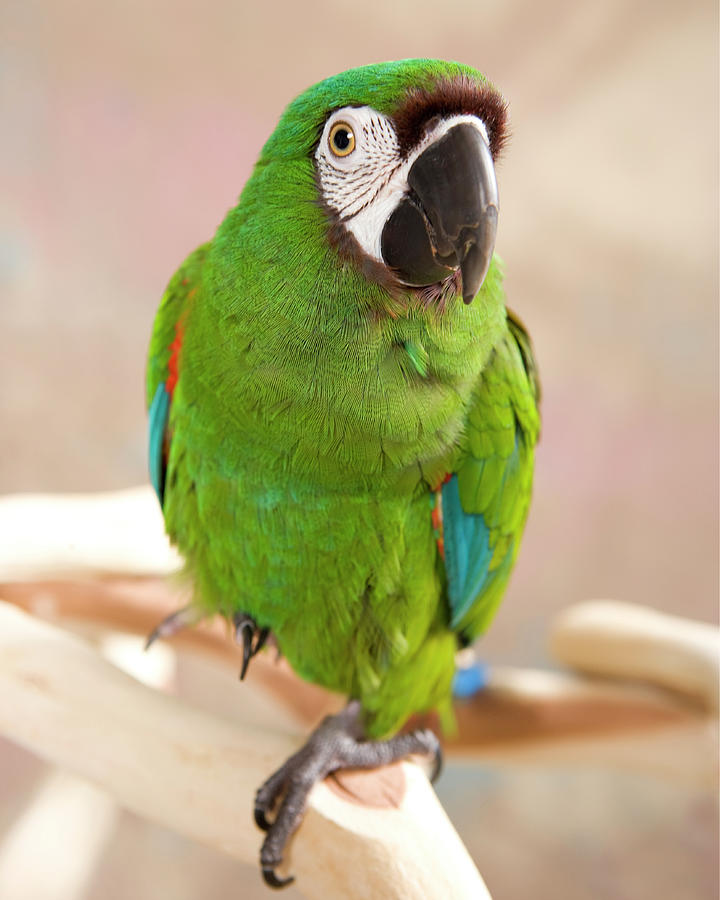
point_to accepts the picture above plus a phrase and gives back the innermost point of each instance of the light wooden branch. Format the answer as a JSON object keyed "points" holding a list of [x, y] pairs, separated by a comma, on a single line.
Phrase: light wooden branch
{"points": [[196, 773], [523, 716], [623, 640], [81, 559], [50, 535]]}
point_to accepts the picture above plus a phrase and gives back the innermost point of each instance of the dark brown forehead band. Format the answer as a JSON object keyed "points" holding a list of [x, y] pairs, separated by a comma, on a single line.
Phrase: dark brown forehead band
{"points": [[459, 96]]}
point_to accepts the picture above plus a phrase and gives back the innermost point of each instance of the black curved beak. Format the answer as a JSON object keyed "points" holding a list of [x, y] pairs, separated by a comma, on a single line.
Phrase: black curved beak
{"points": [[449, 217]]}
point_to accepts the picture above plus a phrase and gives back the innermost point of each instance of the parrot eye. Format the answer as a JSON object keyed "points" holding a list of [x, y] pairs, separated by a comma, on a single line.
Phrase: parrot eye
{"points": [[341, 139], [355, 157]]}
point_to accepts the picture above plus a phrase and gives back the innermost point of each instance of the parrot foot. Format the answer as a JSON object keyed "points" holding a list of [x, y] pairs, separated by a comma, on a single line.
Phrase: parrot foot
{"points": [[250, 636], [170, 625], [336, 743]]}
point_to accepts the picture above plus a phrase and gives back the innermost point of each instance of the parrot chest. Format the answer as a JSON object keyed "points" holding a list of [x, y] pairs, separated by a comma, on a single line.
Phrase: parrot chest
{"points": [[306, 503], [348, 580]]}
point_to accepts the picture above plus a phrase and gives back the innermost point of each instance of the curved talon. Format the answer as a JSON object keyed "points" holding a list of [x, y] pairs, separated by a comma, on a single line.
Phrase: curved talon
{"points": [[262, 640], [176, 621], [437, 764], [152, 637], [246, 631], [337, 743], [261, 820], [272, 880]]}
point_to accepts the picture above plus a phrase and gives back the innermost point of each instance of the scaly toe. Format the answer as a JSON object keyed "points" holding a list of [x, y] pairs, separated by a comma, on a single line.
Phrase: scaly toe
{"points": [[336, 743]]}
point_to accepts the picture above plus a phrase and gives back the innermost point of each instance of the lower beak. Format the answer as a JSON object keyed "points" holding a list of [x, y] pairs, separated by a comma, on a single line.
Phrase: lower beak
{"points": [[448, 220]]}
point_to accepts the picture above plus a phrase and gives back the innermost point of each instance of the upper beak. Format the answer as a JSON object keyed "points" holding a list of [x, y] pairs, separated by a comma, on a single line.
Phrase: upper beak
{"points": [[449, 217]]}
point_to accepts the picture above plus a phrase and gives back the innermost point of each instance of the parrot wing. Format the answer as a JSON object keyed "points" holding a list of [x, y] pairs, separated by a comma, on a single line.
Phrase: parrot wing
{"points": [[484, 504], [163, 358]]}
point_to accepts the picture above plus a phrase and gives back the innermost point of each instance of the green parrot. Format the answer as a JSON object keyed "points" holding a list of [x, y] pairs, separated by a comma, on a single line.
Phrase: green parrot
{"points": [[343, 413]]}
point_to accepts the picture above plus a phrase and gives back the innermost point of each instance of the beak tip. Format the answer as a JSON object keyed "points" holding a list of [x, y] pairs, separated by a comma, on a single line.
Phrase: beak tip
{"points": [[474, 268]]}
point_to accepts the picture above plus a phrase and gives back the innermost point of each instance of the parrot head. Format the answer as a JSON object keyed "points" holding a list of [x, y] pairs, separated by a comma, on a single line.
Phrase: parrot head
{"points": [[375, 196], [402, 158], [424, 208]]}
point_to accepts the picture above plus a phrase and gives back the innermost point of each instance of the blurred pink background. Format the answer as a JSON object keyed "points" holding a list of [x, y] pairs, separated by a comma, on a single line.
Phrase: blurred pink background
{"points": [[130, 128]]}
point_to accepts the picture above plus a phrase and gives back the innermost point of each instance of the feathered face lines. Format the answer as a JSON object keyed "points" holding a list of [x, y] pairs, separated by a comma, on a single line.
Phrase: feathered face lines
{"points": [[412, 197], [350, 181]]}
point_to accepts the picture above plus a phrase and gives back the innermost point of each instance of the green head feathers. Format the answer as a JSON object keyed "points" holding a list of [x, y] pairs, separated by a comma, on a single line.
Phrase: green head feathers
{"points": [[349, 222], [382, 86]]}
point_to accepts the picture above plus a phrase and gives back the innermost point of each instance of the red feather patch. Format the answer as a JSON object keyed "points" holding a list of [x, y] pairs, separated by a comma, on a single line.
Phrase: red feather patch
{"points": [[173, 372], [436, 516]]}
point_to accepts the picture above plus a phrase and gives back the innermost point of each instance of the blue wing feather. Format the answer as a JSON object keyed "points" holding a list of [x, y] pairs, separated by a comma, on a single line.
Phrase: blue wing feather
{"points": [[158, 419], [164, 360], [484, 504], [467, 551]]}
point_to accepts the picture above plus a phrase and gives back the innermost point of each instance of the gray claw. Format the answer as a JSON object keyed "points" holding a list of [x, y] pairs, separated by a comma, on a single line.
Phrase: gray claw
{"points": [[261, 820], [272, 880], [253, 638], [437, 764], [337, 743], [181, 618]]}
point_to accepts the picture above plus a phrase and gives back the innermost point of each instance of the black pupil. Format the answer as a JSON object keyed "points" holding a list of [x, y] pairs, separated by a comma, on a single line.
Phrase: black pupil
{"points": [[341, 139]]}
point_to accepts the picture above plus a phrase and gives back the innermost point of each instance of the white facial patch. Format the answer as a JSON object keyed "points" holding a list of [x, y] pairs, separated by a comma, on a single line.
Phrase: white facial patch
{"points": [[364, 186], [351, 182]]}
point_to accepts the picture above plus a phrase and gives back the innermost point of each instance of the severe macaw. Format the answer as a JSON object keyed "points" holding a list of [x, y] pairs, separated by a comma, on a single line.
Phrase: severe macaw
{"points": [[343, 413]]}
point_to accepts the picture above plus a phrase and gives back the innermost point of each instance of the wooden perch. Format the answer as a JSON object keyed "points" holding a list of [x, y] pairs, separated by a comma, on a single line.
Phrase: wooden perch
{"points": [[197, 774], [49, 535], [623, 640], [87, 559], [523, 716]]}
